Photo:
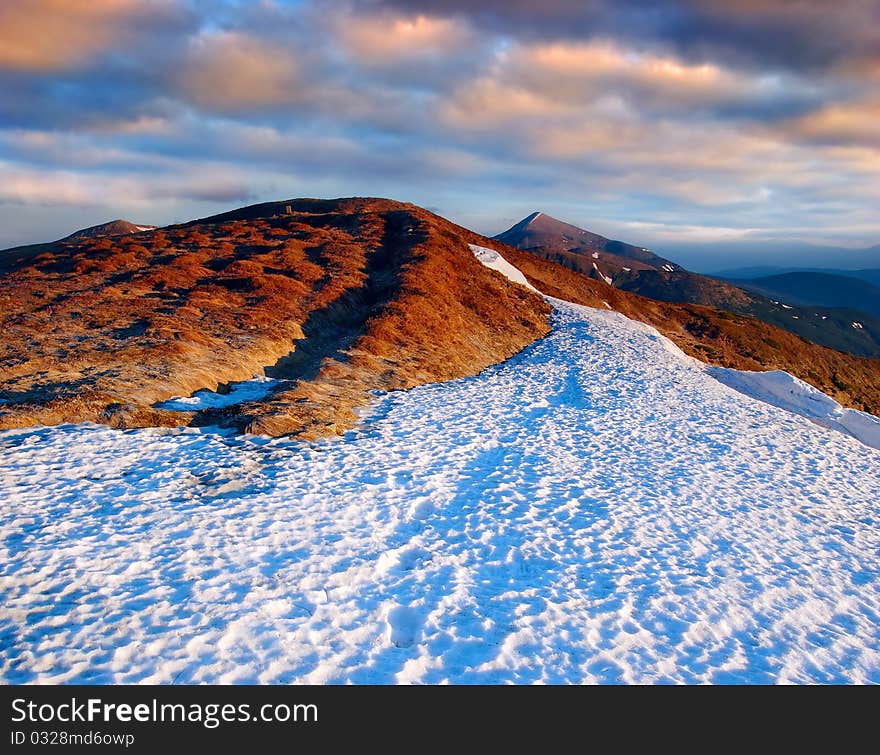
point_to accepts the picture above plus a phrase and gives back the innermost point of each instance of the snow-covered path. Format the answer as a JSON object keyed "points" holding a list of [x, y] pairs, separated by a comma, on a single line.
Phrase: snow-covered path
{"points": [[597, 509]]}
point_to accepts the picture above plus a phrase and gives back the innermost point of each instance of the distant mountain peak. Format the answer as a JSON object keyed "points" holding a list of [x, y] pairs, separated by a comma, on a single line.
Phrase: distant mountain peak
{"points": [[540, 231]]}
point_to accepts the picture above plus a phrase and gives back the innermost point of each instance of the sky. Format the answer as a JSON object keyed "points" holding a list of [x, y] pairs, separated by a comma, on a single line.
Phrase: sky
{"points": [[676, 124]]}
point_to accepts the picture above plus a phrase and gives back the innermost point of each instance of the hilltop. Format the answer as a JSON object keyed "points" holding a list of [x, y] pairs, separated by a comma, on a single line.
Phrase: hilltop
{"points": [[580, 249], [333, 298]]}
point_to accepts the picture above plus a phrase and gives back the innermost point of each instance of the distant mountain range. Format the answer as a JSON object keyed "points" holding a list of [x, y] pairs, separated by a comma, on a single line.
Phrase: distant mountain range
{"points": [[818, 288], [714, 256], [843, 318], [871, 275]]}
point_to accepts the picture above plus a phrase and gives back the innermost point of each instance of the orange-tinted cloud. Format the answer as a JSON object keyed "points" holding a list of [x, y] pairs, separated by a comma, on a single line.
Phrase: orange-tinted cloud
{"points": [[233, 71], [49, 35], [488, 103], [842, 123], [390, 40], [577, 72]]}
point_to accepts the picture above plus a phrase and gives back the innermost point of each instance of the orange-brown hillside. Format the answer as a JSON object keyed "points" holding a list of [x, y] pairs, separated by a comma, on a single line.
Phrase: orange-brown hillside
{"points": [[335, 297], [715, 336]]}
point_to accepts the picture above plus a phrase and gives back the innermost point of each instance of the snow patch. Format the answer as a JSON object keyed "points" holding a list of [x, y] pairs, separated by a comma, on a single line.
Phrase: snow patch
{"points": [[858, 326], [404, 624], [784, 390], [601, 274], [254, 389], [492, 259]]}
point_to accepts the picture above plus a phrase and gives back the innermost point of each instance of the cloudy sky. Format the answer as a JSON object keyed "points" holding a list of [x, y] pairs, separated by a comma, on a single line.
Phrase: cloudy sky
{"points": [[662, 122]]}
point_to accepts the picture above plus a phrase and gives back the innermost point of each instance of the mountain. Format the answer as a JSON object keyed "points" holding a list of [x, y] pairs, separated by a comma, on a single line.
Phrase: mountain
{"points": [[111, 228], [844, 328], [717, 337], [325, 302], [872, 276], [10, 258], [579, 249], [331, 299], [599, 507], [822, 289], [596, 509]]}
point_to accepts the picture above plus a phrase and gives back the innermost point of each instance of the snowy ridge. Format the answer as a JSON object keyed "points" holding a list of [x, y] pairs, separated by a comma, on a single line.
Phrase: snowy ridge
{"points": [[492, 259], [775, 387], [788, 392]]}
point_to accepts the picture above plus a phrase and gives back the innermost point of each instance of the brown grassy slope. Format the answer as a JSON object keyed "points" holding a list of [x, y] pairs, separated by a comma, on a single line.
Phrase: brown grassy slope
{"points": [[717, 337], [366, 294]]}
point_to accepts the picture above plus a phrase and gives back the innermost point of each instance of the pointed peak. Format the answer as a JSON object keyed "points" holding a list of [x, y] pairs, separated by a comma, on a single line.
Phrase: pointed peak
{"points": [[533, 217]]}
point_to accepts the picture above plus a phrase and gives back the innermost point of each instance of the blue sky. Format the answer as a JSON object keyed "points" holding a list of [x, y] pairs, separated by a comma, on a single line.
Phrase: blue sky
{"points": [[674, 124]]}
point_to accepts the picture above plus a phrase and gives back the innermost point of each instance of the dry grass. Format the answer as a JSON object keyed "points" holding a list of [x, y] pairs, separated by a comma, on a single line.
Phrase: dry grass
{"points": [[378, 294]]}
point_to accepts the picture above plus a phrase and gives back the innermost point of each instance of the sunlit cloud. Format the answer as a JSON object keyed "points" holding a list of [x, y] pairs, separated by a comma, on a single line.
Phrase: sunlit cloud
{"points": [[385, 40], [231, 72], [50, 35], [60, 188], [842, 123]]}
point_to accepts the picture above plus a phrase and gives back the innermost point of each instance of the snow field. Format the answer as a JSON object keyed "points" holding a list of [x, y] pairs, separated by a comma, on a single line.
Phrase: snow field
{"points": [[596, 509]]}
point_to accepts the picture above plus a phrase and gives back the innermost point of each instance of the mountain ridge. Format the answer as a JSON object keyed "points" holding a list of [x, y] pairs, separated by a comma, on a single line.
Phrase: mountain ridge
{"points": [[584, 250], [818, 289], [871, 275], [716, 337], [337, 298], [116, 227], [842, 327], [333, 299], [17, 254]]}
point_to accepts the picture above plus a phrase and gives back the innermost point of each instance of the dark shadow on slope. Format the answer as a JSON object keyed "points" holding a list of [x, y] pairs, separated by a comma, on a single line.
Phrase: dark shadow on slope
{"points": [[330, 331]]}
